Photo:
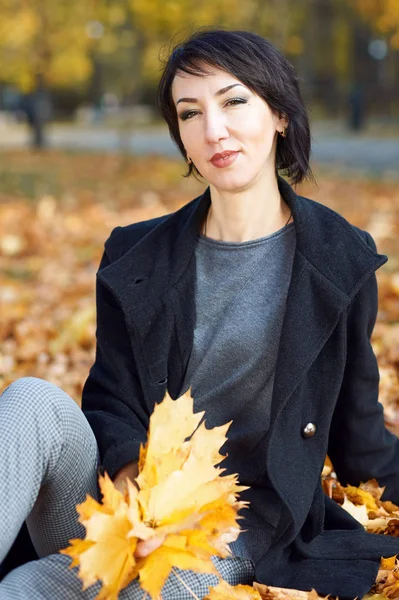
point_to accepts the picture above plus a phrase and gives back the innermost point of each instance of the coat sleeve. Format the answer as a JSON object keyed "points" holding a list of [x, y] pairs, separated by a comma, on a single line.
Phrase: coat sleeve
{"points": [[112, 397], [360, 446]]}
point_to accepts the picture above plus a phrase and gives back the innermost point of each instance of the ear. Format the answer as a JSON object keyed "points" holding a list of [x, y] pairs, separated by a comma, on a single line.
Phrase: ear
{"points": [[283, 120]]}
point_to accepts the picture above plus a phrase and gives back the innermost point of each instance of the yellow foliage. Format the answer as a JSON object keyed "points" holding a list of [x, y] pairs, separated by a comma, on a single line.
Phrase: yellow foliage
{"points": [[360, 496], [388, 563], [181, 499], [387, 582], [107, 552], [224, 591], [383, 15], [45, 38]]}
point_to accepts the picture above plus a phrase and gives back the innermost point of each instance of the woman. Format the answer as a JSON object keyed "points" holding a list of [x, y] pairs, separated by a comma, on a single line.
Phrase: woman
{"points": [[264, 303]]}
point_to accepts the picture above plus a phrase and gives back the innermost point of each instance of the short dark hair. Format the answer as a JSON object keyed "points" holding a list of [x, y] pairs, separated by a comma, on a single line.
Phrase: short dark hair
{"points": [[262, 68]]}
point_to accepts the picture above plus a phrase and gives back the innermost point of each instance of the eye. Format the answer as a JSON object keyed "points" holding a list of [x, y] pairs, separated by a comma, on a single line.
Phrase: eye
{"points": [[187, 114], [235, 101]]}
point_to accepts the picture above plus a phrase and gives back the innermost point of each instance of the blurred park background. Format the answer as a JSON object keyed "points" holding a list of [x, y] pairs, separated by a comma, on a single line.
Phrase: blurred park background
{"points": [[82, 150], [89, 69]]}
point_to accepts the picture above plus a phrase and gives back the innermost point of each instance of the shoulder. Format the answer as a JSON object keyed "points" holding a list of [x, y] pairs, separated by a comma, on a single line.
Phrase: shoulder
{"points": [[123, 238], [332, 226], [346, 255]]}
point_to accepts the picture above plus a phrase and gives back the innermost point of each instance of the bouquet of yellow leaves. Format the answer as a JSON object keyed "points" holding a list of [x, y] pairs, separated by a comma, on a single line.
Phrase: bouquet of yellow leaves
{"points": [[181, 497]]}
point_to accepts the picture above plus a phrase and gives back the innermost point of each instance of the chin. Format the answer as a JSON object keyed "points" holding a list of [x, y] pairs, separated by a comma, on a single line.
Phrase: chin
{"points": [[232, 182]]}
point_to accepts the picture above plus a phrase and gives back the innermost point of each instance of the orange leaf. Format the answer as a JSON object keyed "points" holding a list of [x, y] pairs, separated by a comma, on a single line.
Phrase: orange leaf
{"points": [[388, 563]]}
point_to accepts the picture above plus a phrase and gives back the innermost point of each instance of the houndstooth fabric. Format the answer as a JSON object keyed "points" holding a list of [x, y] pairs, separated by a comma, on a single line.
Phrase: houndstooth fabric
{"points": [[49, 578], [49, 458]]}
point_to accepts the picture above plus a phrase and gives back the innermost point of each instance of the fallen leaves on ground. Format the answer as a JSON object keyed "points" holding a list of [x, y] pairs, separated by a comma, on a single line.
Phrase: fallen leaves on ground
{"points": [[224, 591], [181, 498], [377, 516], [364, 504], [387, 582]]}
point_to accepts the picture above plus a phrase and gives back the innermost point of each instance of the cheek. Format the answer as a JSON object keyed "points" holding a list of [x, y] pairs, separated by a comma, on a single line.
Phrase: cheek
{"points": [[260, 127], [255, 128], [190, 137]]}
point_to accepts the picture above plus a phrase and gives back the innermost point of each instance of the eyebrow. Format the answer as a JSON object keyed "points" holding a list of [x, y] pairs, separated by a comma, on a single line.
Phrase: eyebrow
{"points": [[218, 93]]}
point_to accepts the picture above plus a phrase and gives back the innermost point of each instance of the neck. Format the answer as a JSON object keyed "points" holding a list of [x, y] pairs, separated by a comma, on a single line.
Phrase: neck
{"points": [[245, 215]]}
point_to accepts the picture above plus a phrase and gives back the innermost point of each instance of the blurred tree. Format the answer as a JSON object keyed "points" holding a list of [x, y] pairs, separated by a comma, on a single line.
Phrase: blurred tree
{"points": [[45, 44], [118, 53], [377, 52], [382, 16], [164, 23]]}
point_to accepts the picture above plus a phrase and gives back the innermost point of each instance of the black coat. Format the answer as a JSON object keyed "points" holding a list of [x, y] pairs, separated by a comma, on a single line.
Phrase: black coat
{"points": [[326, 374]]}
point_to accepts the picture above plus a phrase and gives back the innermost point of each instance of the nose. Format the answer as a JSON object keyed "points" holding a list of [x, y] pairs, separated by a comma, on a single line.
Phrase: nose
{"points": [[215, 128]]}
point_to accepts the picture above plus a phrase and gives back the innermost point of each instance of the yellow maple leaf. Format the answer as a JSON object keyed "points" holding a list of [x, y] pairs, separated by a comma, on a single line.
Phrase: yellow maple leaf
{"points": [[107, 551], [184, 500], [166, 437], [225, 591], [205, 443], [155, 569]]}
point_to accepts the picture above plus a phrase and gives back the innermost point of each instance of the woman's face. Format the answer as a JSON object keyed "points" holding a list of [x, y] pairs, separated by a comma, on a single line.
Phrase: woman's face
{"points": [[218, 114]]}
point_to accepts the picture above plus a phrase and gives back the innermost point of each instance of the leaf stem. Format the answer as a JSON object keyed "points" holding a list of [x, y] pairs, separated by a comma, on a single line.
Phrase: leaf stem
{"points": [[185, 585]]}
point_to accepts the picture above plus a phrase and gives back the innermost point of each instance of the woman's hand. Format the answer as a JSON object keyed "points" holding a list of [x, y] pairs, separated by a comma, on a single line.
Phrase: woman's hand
{"points": [[131, 471], [145, 547]]}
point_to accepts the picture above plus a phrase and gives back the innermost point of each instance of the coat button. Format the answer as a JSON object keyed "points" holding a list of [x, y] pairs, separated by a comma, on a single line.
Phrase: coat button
{"points": [[309, 430]]}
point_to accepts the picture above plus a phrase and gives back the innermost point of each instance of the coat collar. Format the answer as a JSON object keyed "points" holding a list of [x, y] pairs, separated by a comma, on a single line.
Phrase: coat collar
{"points": [[324, 239]]}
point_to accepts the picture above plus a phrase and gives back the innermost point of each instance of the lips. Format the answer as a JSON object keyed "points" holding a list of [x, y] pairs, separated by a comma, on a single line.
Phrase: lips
{"points": [[224, 159], [222, 155]]}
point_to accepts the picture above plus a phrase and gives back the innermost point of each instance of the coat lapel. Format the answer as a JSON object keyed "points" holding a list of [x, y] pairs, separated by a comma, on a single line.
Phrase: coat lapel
{"points": [[154, 284], [312, 311], [331, 262]]}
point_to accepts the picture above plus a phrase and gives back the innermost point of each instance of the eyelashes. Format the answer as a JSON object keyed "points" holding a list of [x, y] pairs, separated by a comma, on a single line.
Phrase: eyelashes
{"points": [[188, 114]]}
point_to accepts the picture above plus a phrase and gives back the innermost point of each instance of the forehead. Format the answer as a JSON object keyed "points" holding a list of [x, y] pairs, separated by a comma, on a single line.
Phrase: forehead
{"points": [[185, 84]]}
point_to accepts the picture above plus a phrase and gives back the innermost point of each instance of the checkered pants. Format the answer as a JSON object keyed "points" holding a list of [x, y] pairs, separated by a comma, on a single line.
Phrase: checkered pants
{"points": [[48, 463]]}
